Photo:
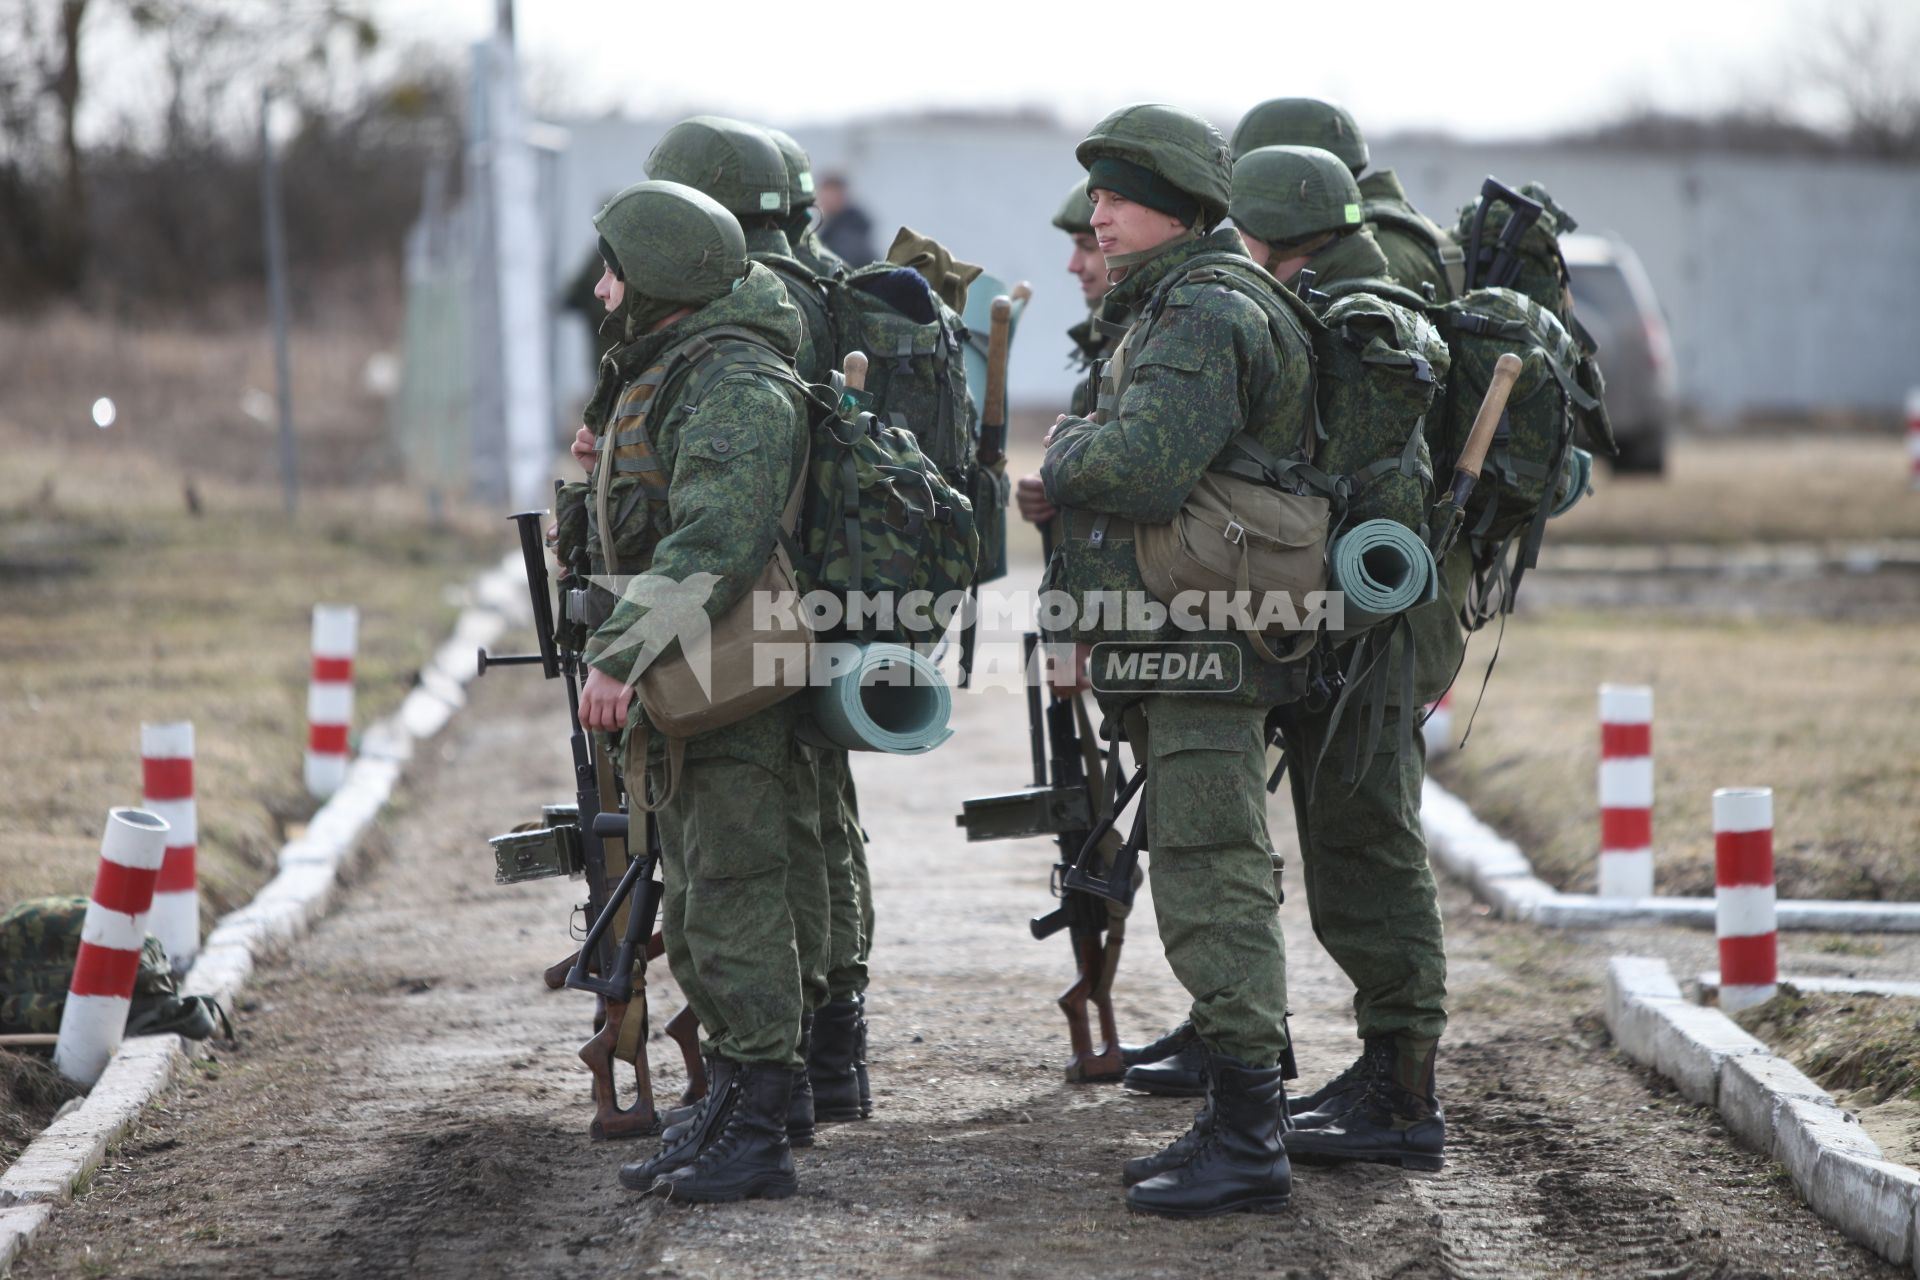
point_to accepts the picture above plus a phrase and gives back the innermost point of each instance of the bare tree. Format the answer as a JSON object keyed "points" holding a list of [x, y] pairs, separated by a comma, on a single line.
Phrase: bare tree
{"points": [[1863, 55]]}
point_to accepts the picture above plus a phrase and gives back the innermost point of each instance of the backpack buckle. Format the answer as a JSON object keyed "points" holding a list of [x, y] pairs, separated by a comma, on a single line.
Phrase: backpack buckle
{"points": [[1235, 532]]}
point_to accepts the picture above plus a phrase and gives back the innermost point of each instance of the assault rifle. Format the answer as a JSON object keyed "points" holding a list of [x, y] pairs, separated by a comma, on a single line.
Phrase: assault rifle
{"points": [[589, 838], [1496, 264], [1060, 804]]}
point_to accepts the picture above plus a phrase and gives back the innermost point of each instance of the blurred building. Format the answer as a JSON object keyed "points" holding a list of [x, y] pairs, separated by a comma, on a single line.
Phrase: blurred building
{"points": [[1792, 283]]}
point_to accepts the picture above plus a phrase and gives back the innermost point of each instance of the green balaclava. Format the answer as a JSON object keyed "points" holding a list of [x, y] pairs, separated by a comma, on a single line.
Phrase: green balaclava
{"points": [[1286, 196], [1164, 158], [1302, 122], [673, 247], [734, 162]]}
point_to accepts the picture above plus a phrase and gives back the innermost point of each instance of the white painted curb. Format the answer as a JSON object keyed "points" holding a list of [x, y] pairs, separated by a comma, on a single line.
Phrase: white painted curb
{"points": [[67, 1153], [1499, 873], [1765, 1099]]}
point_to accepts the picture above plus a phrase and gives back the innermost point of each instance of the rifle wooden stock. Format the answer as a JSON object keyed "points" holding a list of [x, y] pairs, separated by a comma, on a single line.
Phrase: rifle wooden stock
{"points": [[1088, 1066], [684, 1030], [611, 1120]]}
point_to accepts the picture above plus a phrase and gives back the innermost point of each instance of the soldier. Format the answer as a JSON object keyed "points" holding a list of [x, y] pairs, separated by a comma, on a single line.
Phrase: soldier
{"points": [[1086, 265], [697, 414], [1370, 890], [802, 232], [1415, 248], [739, 164], [1202, 365]]}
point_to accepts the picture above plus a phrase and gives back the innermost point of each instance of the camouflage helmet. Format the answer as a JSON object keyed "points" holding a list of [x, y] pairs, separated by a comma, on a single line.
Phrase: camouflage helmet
{"points": [[734, 162], [799, 168], [1175, 146], [1302, 122], [672, 242], [1076, 211], [1286, 194]]}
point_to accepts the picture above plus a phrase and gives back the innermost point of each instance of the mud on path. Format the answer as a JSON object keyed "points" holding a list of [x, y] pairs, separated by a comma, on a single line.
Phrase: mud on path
{"points": [[405, 1100]]}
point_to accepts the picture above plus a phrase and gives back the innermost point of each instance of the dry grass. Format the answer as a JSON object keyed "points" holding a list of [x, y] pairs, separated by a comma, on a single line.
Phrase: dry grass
{"points": [[1820, 711], [1867, 1046], [1802, 488], [121, 607], [30, 1092]]}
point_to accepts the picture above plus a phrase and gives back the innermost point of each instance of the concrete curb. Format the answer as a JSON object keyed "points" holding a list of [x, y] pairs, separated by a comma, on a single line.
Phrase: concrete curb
{"points": [[1497, 871], [1837, 1169], [62, 1158]]}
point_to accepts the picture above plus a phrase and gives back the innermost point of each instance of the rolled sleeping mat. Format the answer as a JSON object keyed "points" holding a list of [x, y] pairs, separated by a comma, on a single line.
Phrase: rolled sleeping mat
{"points": [[1576, 482], [1383, 568], [890, 699]]}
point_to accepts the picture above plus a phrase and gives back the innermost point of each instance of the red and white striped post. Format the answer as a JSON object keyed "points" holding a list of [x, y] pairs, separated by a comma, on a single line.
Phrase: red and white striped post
{"points": [[95, 1017], [166, 765], [1743, 900], [1438, 730], [1626, 791], [330, 697], [1913, 438]]}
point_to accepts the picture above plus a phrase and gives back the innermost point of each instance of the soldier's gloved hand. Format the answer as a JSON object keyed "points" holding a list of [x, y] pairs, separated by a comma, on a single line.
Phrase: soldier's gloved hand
{"points": [[1030, 495], [585, 449], [603, 702]]}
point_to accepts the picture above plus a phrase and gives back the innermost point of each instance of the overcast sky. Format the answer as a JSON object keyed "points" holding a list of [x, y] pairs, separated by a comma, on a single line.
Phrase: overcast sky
{"points": [[1396, 63]]}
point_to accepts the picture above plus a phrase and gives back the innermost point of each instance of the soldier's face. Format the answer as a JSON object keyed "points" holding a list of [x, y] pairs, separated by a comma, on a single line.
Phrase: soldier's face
{"points": [[611, 290], [1089, 267], [1121, 225]]}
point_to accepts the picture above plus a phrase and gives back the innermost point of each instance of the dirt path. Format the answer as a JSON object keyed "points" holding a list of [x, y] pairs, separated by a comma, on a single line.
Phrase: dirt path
{"points": [[405, 1099]]}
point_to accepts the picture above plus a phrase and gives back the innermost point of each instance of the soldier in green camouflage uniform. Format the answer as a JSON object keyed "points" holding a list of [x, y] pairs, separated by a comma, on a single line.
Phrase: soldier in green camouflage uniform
{"points": [[741, 168], [700, 433], [803, 233], [1203, 364], [1370, 889], [1406, 236]]}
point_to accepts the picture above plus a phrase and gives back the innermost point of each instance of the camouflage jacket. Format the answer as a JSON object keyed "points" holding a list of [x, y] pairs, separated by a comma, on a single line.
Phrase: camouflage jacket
{"points": [[1438, 641], [771, 248], [1208, 369], [1090, 347], [1349, 258], [1389, 214], [697, 488], [814, 255]]}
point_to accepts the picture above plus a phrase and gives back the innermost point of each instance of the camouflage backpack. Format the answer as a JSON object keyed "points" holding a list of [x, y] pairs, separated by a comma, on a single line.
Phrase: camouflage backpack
{"points": [[879, 518], [39, 942], [1559, 391]]}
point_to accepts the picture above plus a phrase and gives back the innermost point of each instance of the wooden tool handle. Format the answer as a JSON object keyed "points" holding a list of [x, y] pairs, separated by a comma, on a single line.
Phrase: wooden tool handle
{"points": [[994, 412], [1021, 293], [1505, 370]]}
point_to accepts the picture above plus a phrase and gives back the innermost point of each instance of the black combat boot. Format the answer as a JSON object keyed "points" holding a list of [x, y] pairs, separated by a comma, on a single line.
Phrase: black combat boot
{"points": [[681, 1142], [1181, 1074], [1239, 1165], [837, 1063], [1395, 1120], [800, 1110], [1176, 1153], [1312, 1110], [745, 1154], [1133, 1055]]}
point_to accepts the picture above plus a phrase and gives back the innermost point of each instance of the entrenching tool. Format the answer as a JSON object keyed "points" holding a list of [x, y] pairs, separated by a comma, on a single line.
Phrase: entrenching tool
{"points": [[589, 839], [1451, 511]]}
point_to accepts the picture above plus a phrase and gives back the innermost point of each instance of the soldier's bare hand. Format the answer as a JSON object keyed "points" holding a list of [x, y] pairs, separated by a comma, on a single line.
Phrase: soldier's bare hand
{"points": [[603, 702], [1047, 439], [585, 449], [1030, 495]]}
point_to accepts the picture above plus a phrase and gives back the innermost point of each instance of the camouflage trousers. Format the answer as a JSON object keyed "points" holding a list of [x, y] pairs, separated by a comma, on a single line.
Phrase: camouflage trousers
{"points": [[728, 857], [809, 901], [1211, 871], [1363, 858], [849, 887]]}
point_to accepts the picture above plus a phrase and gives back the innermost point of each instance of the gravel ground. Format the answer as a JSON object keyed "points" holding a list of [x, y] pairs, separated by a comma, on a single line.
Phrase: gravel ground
{"points": [[405, 1100]]}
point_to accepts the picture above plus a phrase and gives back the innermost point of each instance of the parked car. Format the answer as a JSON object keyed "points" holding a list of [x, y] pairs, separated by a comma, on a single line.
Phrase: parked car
{"points": [[1615, 301]]}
